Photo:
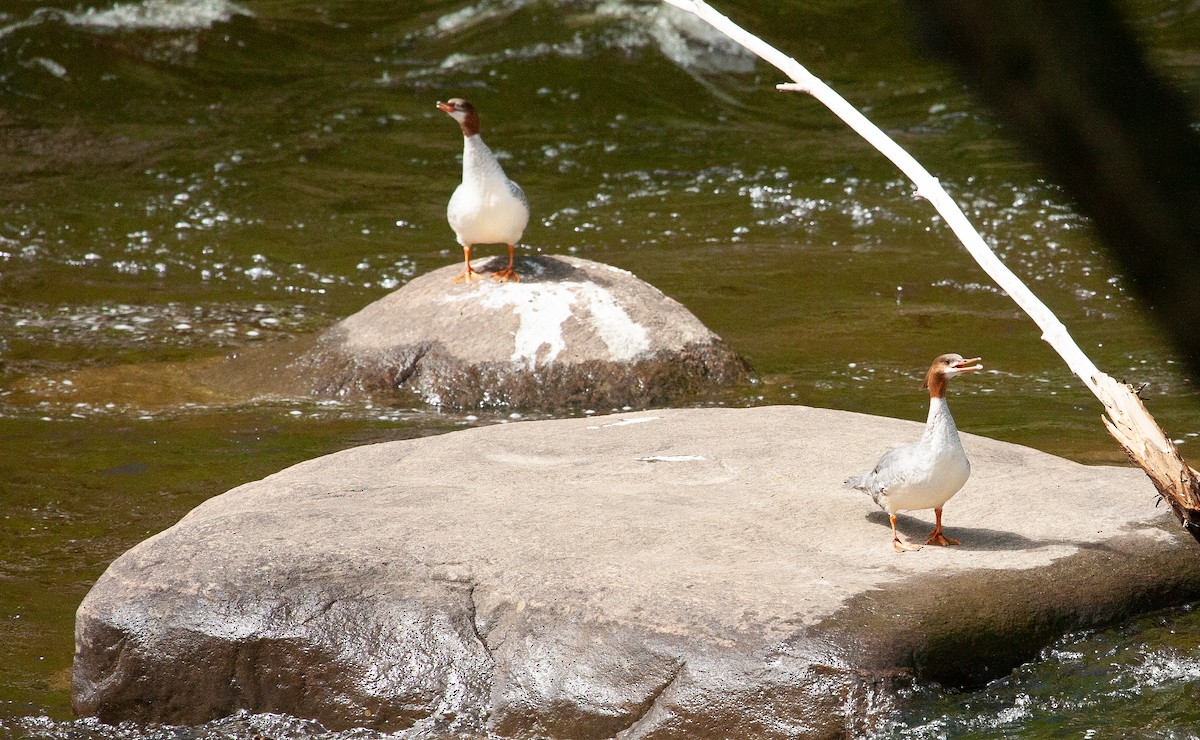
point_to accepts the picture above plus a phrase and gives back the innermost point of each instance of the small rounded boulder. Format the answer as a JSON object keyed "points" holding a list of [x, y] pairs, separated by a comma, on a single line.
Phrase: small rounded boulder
{"points": [[571, 333]]}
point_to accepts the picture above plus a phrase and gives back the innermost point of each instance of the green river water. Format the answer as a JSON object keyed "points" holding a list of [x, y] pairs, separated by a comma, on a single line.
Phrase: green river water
{"points": [[187, 179]]}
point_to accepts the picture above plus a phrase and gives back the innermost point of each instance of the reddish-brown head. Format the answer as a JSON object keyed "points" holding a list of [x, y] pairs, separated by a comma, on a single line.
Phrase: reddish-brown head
{"points": [[944, 368], [462, 111]]}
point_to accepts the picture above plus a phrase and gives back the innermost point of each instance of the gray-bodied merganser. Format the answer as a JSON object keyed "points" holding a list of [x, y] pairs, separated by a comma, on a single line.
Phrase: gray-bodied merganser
{"points": [[926, 473], [487, 207]]}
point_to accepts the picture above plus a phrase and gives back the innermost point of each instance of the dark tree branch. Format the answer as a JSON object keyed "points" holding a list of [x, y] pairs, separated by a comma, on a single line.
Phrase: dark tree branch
{"points": [[1074, 84]]}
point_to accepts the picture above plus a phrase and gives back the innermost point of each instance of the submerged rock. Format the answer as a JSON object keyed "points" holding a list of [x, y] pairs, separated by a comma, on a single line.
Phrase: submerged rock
{"points": [[571, 333], [666, 574]]}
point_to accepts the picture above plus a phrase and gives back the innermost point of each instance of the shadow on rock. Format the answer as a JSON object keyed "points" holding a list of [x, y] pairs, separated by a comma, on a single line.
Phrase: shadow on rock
{"points": [[536, 268], [972, 538]]}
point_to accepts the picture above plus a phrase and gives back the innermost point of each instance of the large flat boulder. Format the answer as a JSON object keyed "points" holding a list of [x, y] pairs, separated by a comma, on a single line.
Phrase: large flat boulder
{"points": [[571, 333], [668, 574]]}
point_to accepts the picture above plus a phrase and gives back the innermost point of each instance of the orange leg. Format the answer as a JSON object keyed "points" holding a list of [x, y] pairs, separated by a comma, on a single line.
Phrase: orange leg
{"points": [[467, 273], [898, 544], [936, 537], [508, 273]]}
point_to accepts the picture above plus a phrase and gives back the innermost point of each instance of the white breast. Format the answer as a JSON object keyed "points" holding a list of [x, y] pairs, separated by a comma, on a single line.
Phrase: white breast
{"points": [[922, 475], [924, 479], [487, 208]]}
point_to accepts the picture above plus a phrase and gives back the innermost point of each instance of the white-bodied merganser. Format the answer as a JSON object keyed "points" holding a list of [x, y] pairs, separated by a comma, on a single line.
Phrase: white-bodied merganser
{"points": [[926, 473], [487, 207]]}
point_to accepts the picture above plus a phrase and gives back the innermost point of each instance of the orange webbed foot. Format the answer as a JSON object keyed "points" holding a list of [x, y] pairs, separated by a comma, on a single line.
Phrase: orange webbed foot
{"points": [[899, 544], [505, 275], [936, 537], [467, 276]]}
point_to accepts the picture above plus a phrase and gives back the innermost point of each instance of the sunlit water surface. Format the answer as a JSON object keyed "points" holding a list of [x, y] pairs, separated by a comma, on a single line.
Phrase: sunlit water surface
{"points": [[190, 179]]}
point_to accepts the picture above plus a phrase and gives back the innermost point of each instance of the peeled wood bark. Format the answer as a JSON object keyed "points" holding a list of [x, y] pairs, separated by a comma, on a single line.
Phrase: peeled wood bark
{"points": [[1147, 446], [1128, 421]]}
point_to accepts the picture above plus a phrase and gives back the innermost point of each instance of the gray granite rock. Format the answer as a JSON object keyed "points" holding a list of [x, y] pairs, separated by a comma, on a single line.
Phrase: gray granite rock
{"points": [[665, 574], [571, 333]]}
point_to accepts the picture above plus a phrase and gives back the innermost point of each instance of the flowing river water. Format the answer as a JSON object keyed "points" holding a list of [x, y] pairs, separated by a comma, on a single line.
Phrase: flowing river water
{"points": [[188, 179]]}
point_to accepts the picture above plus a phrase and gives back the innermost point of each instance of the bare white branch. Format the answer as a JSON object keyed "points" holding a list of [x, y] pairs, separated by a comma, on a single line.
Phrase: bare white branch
{"points": [[1128, 421]]}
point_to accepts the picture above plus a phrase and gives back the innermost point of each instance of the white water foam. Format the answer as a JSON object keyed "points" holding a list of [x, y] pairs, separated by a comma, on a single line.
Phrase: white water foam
{"points": [[160, 15], [627, 26], [163, 15]]}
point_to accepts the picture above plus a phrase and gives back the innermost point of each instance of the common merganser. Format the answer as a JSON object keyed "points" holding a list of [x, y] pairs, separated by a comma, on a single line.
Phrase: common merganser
{"points": [[487, 207], [926, 473]]}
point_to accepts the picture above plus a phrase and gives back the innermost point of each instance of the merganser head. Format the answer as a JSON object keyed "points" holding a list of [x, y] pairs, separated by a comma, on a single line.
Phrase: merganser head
{"points": [[945, 367], [462, 111]]}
